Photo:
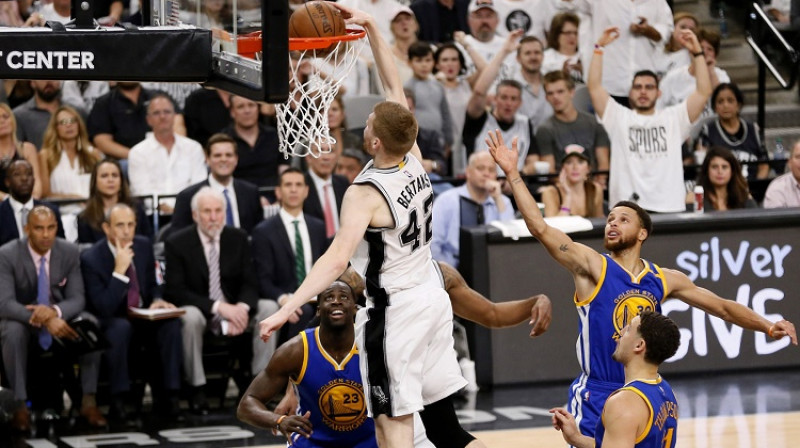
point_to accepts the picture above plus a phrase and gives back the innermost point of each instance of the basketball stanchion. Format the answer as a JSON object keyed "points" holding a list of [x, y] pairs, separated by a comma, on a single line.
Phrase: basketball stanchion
{"points": [[317, 67]]}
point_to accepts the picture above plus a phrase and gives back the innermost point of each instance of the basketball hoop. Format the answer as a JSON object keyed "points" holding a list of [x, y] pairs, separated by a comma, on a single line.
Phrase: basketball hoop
{"points": [[303, 119]]}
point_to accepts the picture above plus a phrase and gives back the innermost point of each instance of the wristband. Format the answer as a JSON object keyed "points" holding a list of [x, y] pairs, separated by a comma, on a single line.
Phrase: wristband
{"points": [[598, 47], [280, 419], [699, 53], [515, 180], [566, 209]]}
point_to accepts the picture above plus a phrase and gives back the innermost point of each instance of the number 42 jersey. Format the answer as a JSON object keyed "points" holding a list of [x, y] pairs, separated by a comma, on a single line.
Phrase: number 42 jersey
{"points": [[398, 258]]}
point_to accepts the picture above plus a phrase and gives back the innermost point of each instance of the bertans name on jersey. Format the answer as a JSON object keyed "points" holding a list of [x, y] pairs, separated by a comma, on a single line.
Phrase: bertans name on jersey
{"points": [[421, 183]]}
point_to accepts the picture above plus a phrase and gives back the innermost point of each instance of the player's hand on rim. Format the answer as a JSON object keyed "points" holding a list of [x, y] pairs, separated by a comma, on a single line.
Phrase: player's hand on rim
{"points": [[352, 16], [505, 158]]}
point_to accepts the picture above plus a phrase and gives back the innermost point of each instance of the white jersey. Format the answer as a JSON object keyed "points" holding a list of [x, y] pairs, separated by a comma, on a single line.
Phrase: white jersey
{"points": [[646, 159], [398, 258], [521, 129]]}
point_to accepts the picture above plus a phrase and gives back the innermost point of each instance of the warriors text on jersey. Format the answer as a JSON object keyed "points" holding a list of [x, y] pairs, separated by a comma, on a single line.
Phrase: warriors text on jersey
{"points": [[661, 432], [333, 393]]}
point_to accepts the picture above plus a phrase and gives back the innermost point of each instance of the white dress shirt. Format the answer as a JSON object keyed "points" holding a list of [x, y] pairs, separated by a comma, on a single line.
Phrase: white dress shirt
{"points": [[288, 223], [319, 184], [154, 170], [17, 207], [215, 185]]}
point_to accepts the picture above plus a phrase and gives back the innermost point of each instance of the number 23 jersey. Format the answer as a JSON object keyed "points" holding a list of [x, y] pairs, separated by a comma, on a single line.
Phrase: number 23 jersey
{"points": [[398, 258]]}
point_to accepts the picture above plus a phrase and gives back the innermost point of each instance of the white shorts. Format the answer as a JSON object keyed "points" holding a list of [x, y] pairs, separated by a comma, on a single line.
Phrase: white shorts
{"points": [[407, 358]]}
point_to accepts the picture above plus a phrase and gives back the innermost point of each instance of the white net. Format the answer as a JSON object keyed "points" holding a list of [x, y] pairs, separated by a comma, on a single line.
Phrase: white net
{"points": [[314, 80]]}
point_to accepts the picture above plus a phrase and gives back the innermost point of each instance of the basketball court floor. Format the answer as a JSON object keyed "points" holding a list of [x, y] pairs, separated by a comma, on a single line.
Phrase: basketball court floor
{"points": [[741, 410]]}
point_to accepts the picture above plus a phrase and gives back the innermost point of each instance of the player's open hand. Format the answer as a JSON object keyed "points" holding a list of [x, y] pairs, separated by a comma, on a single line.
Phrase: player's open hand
{"points": [[541, 315], [783, 328], [299, 424], [505, 158], [609, 35], [352, 16], [272, 324]]}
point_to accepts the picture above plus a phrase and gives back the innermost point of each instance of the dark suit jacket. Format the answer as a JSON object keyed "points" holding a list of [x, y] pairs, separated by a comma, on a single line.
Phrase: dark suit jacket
{"points": [[19, 280], [187, 271], [247, 202], [313, 204], [8, 225], [274, 257], [427, 14], [106, 295]]}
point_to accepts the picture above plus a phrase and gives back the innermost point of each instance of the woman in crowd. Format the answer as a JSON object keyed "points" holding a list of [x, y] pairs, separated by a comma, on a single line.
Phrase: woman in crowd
{"points": [[108, 187], [12, 149], [563, 42], [450, 69], [404, 28], [338, 126], [675, 55], [723, 184], [575, 194], [67, 159], [731, 131]]}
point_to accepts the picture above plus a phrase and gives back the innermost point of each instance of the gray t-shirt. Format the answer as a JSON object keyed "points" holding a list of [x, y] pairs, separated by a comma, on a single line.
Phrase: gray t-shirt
{"points": [[554, 135]]}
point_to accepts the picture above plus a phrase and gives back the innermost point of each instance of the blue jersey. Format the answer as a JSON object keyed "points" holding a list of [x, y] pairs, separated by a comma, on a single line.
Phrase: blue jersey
{"points": [[663, 421], [618, 298], [333, 393]]}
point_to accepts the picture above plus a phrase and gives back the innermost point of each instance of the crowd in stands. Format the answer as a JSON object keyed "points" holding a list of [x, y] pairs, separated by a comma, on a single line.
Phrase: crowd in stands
{"points": [[601, 107]]}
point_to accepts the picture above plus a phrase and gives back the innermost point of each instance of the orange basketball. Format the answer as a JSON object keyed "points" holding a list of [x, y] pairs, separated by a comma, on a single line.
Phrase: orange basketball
{"points": [[316, 19]]}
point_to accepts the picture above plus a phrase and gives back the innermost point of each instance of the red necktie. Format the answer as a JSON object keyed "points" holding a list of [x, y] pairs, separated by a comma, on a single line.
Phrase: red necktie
{"points": [[330, 227], [133, 287]]}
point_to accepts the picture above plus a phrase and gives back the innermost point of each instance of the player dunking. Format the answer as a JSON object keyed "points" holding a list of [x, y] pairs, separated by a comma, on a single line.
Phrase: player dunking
{"points": [[610, 290], [405, 333]]}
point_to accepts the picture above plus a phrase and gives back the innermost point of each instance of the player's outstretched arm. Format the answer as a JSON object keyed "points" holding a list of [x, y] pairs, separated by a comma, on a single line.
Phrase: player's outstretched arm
{"points": [[358, 207], [597, 92], [681, 287], [473, 306], [578, 258], [285, 363], [564, 421], [387, 70]]}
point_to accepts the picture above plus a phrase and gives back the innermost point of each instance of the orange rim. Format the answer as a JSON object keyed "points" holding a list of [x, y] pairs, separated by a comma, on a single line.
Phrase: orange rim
{"points": [[250, 44]]}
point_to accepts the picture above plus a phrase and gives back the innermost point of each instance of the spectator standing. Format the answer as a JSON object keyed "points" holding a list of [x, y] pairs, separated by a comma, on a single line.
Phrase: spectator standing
{"points": [[164, 162], [723, 185], [483, 38], [504, 115], [12, 149], [525, 15], [647, 166], [570, 128], [242, 201], [67, 159], [784, 190], [108, 187], [562, 54], [431, 108], [485, 198], [732, 131], [286, 246], [439, 20], [530, 54], [575, 193], [19, 202], [404, 29], [260, 162], [378, 9], [644, 27]]}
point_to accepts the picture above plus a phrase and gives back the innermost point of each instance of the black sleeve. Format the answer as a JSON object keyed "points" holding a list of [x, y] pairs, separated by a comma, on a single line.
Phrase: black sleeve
{"points": [[472, 126], [534, 149]]}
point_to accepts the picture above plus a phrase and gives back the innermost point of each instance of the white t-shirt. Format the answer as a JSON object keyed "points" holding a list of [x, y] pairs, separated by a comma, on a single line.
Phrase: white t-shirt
{"points": [[522, 14], [487, 50], [646, 160]]}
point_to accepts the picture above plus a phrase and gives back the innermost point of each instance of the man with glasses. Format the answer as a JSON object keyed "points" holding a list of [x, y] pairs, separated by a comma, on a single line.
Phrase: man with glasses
{"points": [[164, 162], [647, 166]]}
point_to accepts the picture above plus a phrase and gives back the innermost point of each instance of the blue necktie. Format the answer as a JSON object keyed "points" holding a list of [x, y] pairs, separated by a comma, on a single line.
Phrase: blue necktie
{"points": [[43, 298], [228, 209]]}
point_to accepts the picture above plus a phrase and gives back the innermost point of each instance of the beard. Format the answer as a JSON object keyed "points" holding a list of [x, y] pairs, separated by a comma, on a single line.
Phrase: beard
{"points": [[124, 85], [621, 244], [645, 108], [48, 95]]}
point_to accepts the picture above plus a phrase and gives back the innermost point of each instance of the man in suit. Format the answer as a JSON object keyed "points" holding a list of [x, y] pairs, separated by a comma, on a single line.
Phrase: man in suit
{"points": [[119, 273], [42, 290], [286, 245], [243, 206], [326, 190], [15, 208], [210, 275]]}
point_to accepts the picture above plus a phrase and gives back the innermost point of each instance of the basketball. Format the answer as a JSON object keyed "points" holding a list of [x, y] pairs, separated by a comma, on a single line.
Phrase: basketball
{"points": [[316, 19]]}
